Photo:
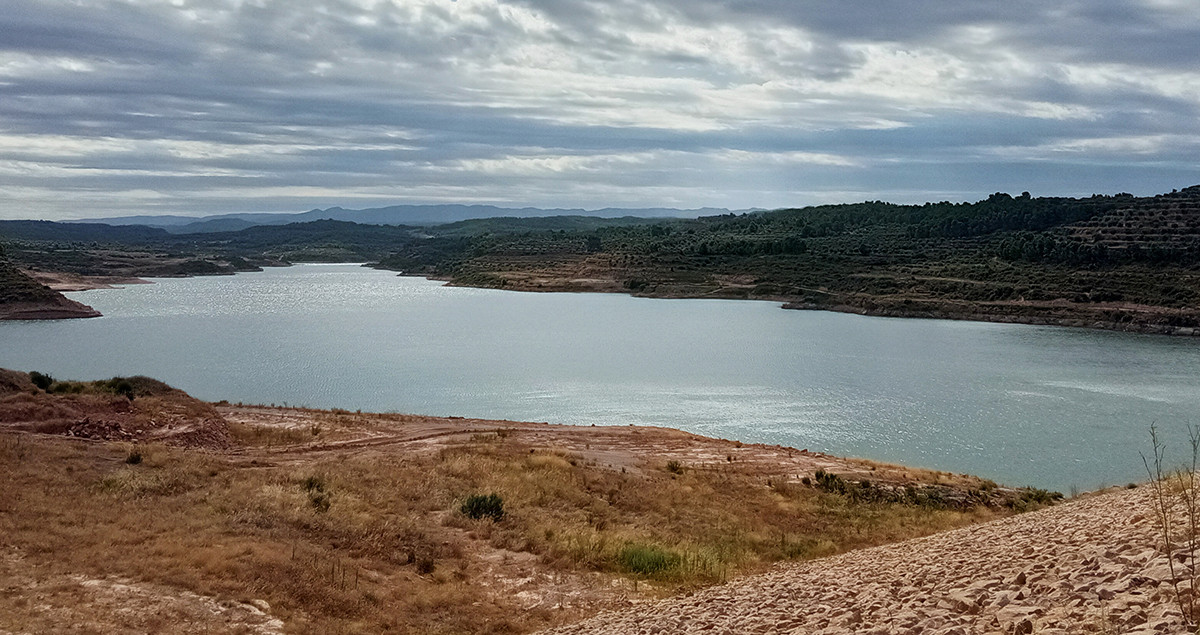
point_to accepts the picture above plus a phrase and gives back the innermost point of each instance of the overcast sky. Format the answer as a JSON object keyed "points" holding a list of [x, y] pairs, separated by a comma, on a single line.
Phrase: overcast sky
{"points": [[212, 106]]}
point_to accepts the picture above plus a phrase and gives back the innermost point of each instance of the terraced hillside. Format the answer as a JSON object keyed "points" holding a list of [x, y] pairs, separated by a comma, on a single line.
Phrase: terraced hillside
{"points": [[1170, 221], [1117, 262]]}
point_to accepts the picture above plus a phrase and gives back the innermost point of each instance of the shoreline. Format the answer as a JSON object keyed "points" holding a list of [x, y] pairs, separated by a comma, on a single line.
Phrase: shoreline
{"points": [[1054, 313], [1002, 318], [60, 309], [324, 518], [1058, 314], [71, 282]]}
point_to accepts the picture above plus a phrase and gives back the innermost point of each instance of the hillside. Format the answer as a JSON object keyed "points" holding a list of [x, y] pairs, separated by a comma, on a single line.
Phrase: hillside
{"points": [[1115, 262], [1088, 566], [23, 298], [130, 507], [412, 215]]}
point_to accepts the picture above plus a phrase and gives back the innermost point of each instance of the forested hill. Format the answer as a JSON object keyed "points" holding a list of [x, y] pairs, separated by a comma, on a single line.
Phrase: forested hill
{"points": [[1116, 261], [1107, 261]]}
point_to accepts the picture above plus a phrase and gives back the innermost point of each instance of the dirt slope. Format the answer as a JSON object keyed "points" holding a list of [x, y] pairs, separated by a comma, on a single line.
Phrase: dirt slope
{"points": [[23, 298], [1087, 566]]}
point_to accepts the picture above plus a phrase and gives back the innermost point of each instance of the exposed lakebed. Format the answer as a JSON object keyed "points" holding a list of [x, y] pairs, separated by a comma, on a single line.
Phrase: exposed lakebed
{"points": [[1044, 406]]}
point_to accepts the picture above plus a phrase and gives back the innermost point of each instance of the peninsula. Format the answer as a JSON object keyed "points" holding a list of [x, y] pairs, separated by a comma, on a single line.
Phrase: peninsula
{"points": [[23, 298]]}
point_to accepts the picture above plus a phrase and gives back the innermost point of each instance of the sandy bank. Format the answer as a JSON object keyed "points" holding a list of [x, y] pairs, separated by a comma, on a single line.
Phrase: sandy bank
{"points": [[1091, 565], [63, 281]]}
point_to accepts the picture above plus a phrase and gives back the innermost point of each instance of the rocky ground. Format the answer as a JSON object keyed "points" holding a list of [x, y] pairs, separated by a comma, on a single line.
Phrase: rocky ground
{"points": [[1089, 566]]}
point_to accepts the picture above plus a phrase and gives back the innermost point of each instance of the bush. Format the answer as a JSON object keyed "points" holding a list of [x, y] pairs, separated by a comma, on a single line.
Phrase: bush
{"points": [[122, 387], [479, 506], [318, 497], [675, 467], [320, 501], [134, 458], [829, 482], [313, 483], [40, 380]]}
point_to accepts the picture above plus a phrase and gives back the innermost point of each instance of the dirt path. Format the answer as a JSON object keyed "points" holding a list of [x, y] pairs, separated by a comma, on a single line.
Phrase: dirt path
{"points": [[1086, 566], [627, 447]]}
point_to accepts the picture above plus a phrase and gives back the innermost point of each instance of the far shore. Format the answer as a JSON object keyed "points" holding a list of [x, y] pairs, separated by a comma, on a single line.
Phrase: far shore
{"points": [[67, 282], [1151, 320]]}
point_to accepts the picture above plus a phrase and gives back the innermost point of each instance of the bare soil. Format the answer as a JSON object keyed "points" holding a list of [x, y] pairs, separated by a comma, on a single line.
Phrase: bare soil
{"points": [[66, 281], [1094, 565], [252, 519]]}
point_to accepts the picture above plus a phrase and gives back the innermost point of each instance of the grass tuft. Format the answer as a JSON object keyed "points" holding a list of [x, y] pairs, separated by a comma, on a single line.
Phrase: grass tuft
{"points": [[648, 560], [478, 506]]}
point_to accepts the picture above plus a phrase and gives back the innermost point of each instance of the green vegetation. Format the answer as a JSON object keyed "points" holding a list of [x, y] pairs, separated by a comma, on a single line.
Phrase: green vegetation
{"points": [[930, 497], [42, 381], [1111, 261], [128, 387], [478, 506], [647, 560]]}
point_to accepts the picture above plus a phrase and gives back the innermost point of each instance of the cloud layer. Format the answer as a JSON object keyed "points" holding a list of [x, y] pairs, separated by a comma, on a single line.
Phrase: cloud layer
{"points": [[206, 106]]}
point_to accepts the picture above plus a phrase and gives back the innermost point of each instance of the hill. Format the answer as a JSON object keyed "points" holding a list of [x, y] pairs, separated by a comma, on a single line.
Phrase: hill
{"points": [[23, 298], [129, 506], [1106, 261], [415, 215], [1118, 262]]}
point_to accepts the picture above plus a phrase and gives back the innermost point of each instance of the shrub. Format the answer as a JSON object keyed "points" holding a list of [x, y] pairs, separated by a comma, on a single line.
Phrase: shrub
{"points": [[320, 501], [674, 467], [41, 380], [829, 482], [313, 483], [120, 386], [478, 506], [318, 497], [66, 388], [134, 458]]}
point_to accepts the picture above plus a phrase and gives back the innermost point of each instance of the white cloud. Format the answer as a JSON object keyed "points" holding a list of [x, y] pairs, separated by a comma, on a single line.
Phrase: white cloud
{"points": [[212, 102]]}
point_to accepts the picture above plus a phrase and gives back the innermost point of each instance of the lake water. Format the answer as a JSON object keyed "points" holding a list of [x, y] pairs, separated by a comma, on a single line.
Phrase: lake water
{"points": [[1051, 407]]}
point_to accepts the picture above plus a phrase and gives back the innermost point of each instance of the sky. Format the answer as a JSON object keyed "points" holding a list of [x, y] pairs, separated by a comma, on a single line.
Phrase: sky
{"points": [[216, 106]]}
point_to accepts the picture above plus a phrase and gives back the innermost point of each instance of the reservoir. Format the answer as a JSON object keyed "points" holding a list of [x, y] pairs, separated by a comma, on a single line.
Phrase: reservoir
{"points": [[1052, 407]]}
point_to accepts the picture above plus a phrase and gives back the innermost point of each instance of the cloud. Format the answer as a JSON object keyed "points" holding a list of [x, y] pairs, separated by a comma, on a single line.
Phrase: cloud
{"points": [[203, 106]]}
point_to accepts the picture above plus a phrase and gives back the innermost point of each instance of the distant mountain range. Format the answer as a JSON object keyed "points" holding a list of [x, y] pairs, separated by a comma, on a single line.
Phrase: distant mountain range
{"points": [[418, 215]]}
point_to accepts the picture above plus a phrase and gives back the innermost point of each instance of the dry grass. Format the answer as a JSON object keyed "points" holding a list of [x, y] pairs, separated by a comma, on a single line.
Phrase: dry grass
{"points": [[371, 540]]}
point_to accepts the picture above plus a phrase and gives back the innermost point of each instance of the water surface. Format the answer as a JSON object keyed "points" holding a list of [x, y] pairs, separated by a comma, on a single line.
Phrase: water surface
{"points": [[1052, 407]]}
